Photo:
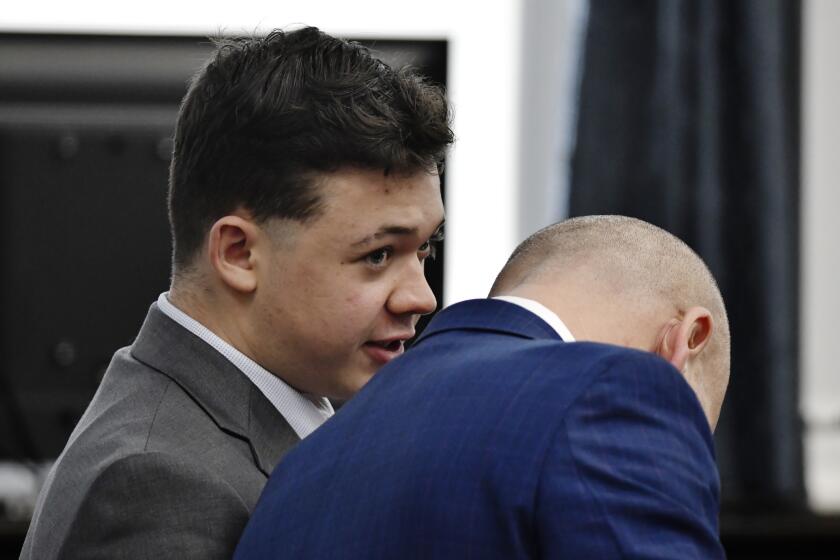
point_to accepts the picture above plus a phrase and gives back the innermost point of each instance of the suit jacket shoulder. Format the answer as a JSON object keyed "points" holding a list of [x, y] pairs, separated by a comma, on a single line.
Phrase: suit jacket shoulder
{"points": [[492, 438], [172, 453], [633, 453]]}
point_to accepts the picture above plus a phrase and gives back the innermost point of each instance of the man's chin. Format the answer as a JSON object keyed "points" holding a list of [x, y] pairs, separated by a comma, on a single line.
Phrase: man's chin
{"points": [[351, 384]]}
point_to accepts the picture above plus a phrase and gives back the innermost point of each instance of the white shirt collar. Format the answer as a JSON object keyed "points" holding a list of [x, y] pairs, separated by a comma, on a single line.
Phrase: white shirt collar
{"points": [[543, 313], [302, 414]]}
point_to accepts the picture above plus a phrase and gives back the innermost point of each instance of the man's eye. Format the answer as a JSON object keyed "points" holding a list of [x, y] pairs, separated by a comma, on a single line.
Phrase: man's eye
{"points": [[380, 256], [427, 250]]}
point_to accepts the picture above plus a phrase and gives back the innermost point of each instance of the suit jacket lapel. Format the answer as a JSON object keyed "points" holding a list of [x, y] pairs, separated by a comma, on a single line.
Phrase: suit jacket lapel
{"points": [[489, 315], [236, 405], [270, 439]]}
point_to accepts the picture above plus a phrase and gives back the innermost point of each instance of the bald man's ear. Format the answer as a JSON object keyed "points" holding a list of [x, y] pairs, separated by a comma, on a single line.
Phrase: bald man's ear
{"points": [[231, 252], [684, 339]]}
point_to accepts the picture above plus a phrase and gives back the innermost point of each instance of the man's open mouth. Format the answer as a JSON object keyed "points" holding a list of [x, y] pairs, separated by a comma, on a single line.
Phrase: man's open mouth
{"points": [[390, 345], [383, 351]]}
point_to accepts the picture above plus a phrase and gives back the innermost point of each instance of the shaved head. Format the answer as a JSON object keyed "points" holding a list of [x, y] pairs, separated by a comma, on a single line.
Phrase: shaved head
{"points": [[628, 256], [620, 280]]}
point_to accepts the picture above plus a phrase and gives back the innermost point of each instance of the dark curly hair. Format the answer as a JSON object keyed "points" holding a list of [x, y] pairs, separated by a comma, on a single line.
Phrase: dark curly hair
{"points": [[266, 115]]}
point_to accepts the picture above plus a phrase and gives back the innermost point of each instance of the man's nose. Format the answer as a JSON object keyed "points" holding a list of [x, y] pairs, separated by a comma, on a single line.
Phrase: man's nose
{"points": [[412, 295]]}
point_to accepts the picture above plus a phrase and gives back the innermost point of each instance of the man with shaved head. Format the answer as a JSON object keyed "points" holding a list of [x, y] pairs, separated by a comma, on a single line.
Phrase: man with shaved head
{"points": [[640, 287], [570, 415]]}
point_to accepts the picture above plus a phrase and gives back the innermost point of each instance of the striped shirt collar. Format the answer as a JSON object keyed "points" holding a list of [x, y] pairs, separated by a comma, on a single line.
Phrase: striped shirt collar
{"points": [[303, 414]]}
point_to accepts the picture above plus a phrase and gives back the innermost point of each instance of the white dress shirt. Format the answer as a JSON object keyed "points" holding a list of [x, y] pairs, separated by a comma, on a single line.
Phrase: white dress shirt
{"points": [[543, 313], [303, 414]]}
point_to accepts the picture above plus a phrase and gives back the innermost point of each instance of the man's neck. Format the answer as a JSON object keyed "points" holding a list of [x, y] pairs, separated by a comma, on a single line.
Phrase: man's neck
{"points": [[184, 300], [207, 313]]}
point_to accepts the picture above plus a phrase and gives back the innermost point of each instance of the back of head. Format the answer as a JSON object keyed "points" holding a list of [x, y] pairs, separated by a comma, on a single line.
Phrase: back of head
{"points": [[266, 115], [629, 255], [627, 277]]}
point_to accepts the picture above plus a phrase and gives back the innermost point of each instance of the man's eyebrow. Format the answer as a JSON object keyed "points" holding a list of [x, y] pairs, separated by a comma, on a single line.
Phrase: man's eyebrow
{"points": [[386, 230], [391, 230]]}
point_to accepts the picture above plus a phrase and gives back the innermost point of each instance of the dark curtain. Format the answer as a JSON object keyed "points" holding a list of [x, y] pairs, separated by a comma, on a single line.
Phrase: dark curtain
{"points": [[688, 118]]}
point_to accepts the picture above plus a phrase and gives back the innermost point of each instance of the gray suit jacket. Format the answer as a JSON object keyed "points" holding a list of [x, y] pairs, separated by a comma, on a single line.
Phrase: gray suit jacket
{"points": [[168, 460]]}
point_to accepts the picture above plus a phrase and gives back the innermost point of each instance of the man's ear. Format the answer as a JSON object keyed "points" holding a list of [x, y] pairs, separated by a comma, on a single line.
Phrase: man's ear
{"points": [[230, 247], [683, 339]]}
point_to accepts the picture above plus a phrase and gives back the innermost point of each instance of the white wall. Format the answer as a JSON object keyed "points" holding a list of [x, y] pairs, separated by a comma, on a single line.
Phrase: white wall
{"points": [[821, 251], [552, 42]]}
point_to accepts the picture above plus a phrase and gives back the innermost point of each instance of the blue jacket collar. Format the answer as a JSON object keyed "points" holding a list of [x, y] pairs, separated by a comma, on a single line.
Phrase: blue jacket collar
{"points": [[489, 315]]}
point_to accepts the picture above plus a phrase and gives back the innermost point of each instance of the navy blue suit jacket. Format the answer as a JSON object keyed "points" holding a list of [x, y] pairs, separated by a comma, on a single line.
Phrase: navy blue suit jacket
{"points": [[492, 438]]}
